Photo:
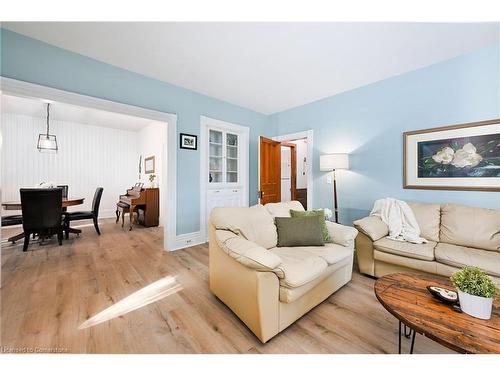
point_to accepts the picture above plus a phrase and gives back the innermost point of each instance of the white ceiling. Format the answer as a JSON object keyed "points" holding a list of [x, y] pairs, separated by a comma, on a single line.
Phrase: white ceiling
{"points": [[65, 112], [267, 67]]}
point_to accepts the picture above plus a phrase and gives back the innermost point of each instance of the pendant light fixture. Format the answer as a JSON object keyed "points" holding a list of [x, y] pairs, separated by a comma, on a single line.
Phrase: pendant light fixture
{"points": [[47, 142]]}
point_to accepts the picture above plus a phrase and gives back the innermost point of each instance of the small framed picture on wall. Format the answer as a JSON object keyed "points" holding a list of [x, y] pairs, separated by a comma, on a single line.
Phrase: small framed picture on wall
{"points": [[189, 141], [456, 157], [149, 165]]}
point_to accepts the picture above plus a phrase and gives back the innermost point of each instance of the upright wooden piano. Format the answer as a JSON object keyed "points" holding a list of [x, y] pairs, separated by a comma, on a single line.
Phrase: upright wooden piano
{"points": [[145, 202]]}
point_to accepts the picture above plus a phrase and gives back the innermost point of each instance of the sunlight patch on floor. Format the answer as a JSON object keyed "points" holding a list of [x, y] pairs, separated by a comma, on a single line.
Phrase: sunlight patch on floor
{"points": [[149, 294]]}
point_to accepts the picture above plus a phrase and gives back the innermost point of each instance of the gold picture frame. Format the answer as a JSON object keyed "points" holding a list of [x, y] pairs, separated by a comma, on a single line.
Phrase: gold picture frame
{"points": [[456, 157], [149, 164]]}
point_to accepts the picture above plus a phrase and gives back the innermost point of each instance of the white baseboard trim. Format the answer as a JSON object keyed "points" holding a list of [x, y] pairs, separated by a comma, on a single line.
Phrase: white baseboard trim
{"points": [[181, 241], [107, 213], [186, 240]]}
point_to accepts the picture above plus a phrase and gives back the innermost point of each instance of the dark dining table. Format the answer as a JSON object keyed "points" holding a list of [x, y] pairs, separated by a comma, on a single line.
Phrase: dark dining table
{"points": [[66, 202]]}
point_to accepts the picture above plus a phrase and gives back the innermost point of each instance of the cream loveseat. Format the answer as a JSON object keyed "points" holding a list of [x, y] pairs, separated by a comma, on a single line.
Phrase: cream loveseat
{"points": [[458, 236], [270, 287]]}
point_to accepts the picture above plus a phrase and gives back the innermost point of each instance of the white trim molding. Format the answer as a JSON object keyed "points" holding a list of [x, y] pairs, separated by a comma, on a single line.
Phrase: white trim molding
{"points": [[244, 131], [308, 135], [168, 196], [187, 240]]}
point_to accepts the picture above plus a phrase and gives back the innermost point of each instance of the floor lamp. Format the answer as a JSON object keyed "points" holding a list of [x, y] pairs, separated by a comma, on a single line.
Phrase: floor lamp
{"points": [[330, 163]]}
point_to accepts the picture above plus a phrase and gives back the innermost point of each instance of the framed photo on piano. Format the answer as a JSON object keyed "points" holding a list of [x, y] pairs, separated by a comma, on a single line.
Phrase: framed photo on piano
{"points": [[149, 165]]}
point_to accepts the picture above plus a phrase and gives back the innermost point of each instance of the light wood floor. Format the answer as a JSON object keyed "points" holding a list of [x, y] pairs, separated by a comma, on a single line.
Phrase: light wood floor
{"points": [[49, 291]]}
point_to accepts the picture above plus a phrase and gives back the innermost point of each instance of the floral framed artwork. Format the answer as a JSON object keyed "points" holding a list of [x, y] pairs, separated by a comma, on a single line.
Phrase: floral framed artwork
{"points": [[457, 157]]}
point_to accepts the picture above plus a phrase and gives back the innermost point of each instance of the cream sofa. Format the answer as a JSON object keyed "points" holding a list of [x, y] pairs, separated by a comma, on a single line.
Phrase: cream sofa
{"points": [[458, 236], [270, 287]]}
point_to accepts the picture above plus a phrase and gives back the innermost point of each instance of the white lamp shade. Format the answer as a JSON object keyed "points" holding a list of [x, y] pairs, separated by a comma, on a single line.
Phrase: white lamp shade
{"points": [[329, 162]]}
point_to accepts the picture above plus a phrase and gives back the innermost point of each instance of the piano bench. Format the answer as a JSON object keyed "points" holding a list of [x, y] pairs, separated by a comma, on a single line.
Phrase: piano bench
{"points": [[122, 209]]}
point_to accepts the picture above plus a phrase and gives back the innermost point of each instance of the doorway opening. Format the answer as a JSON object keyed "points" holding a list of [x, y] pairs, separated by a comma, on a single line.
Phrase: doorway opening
{"points": [[133, 142], [294, 171], [285, 171]]}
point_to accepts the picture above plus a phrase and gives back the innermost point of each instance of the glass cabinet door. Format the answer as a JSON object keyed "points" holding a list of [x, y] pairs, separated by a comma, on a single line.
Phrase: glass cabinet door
{"points": [[223, 157], [215, 157], [231, 157]]}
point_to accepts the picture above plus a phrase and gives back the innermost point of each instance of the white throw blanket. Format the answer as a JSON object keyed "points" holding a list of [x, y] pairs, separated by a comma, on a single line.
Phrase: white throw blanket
{"points": [[399, 218]]}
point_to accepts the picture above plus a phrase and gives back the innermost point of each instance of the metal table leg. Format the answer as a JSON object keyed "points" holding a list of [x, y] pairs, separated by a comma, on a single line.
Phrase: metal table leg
{"points": [[411, 333], [412, 341]]}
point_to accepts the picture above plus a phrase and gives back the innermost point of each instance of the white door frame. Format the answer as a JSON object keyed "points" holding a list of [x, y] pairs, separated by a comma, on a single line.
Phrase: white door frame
{"points": [[168, 194], [307, 134], [244, 131]]}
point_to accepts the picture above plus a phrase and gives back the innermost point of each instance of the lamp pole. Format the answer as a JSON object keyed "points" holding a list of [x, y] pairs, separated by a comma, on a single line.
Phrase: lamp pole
{"points": [[330, 163], [335, 208]]}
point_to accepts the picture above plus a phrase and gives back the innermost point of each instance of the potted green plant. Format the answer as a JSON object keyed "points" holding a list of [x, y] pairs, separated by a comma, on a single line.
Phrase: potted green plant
{"points": [[475, 290], [152, 180]]}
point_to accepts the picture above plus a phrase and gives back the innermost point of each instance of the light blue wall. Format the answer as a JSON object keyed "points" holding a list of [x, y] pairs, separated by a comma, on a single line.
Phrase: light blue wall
{"points": [[30, 60], [368, 123]]}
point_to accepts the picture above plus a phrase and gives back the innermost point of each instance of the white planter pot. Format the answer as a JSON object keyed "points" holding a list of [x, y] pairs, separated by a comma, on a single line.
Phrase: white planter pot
{"points": [[478, 307]]}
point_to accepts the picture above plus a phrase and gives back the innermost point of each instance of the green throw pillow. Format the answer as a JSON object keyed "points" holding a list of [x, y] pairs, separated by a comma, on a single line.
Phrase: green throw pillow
{"points": [[299, 231], [320, 213]]}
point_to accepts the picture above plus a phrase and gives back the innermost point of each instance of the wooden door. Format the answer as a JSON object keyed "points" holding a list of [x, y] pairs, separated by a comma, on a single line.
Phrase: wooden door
{"points": [[270, 171]]}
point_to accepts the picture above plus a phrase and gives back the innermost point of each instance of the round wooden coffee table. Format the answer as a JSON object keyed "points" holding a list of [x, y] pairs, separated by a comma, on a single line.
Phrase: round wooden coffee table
{"points": [[405, 296]]}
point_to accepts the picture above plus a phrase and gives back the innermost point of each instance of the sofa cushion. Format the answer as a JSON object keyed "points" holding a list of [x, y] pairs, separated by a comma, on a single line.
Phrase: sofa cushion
{"points": [[282, 209], [331, 253], [289, 295], [428, 218], [300, 231], [253, 223], [321, 214], [424, 251], [470, 226], [460, 256], [300, 265]]}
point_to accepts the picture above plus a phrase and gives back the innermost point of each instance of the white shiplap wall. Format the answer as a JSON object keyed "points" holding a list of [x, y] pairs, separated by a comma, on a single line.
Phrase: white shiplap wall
{"points": [[88, 157], [151, 142]]}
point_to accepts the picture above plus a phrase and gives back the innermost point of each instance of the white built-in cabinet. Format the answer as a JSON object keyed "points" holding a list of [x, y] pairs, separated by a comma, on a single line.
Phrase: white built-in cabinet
{"points": [[224, 166]]}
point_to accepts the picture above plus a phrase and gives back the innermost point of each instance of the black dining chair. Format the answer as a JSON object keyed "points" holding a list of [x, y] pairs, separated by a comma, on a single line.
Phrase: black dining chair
{"points": [[84, 215], [65, 189], [42, 213], [10, 220]]}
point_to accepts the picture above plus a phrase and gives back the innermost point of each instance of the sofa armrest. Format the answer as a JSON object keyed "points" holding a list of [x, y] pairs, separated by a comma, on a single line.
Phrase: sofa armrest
{"points": [[373, 227], [341, 234], [252, 295], [246, 252]]}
